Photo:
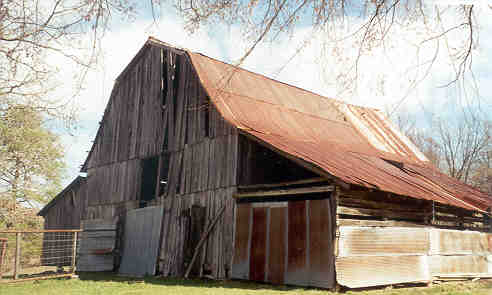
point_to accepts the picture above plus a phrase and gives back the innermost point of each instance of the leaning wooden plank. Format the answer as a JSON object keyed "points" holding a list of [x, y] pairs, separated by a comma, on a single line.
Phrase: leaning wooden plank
{"points": [[202, 240], [284, 192]]}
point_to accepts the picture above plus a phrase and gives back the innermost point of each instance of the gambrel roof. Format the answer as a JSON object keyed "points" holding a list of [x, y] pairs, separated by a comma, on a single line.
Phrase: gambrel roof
{"points": [[352, 144]]}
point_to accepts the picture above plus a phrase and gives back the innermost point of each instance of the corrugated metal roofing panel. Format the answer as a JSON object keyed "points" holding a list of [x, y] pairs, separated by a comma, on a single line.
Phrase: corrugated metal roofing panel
{"points": [[350, 142]]}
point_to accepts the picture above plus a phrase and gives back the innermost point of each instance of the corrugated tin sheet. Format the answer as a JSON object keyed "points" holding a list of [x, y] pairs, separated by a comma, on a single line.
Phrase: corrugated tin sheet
{"points": [[141, 241], [368, 271], [370, 256], [370, 241], [350, 142], [462, 264], [457, 242]]}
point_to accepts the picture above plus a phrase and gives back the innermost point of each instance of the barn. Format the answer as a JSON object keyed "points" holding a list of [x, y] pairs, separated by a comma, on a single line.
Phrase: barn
{"points": [[215, 170]]}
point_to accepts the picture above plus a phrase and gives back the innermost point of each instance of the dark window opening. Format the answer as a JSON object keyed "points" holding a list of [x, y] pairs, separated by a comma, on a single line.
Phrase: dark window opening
{"points": [[260, 165], [149, 180], [163, 174]]}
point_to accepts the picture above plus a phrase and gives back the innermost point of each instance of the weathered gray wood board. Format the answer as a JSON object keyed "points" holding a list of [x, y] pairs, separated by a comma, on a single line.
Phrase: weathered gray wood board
{"points": [[97, 242], [69, 209], [141, 241]]}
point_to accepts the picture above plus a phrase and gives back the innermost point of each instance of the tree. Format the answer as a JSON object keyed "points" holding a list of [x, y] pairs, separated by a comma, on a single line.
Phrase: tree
{"points": [[351, 30], [31, 164], [462, 144], [459, 145], [32, 31]]}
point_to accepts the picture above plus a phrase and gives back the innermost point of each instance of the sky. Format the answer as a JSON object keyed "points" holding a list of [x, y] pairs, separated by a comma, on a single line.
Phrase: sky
{"points": [[312, 69]]}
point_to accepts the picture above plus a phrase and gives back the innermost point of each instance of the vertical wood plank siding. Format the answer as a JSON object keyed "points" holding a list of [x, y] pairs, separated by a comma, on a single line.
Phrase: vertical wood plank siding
{"points": [[157, 107], [73, 200]]}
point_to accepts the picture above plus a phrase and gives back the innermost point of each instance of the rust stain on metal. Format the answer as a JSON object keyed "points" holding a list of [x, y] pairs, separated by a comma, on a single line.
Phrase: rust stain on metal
{"points": [[368, 241], [456, 242], [240, 269], [276, 259], [465, 264], [258, 245], [367, 271], [297, 244], [354, 144], [321, 250]]}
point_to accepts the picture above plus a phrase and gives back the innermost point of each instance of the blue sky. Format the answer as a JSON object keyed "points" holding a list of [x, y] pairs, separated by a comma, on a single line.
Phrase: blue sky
{"points": [[307, 70]]}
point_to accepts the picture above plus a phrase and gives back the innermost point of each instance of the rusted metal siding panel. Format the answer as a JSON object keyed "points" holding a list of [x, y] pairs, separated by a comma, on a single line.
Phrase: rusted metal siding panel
{"points": [[258, 245], [240, 268], [370, 241], [278, 247], [456, 242], [321, 250], [297, 269], [367, 271], [463, 264]]}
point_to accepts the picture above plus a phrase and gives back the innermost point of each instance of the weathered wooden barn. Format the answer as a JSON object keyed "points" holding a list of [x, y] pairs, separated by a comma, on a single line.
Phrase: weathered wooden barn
{"points": [[277, 183]]}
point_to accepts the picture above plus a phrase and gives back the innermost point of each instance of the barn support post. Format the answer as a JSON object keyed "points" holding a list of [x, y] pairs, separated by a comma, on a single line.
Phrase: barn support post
{"points": [[18, 238], [74, 252], [3, 248]]}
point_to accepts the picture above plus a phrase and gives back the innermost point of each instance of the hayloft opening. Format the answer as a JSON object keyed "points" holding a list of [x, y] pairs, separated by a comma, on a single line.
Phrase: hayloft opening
{"points": [[260, 165], [148, 182]]}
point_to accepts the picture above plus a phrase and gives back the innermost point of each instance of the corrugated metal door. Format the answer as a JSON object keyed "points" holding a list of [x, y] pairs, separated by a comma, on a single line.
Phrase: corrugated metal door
{"points": [[141, 241], [285, 242]]}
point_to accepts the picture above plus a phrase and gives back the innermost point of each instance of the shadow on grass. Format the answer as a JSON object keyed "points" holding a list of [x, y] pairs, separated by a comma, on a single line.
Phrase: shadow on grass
{"points": [[193, 283]]}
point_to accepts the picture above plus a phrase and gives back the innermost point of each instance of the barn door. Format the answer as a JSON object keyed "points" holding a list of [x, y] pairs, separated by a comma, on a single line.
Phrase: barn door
{"points": [[141, 241], [285, 242]]}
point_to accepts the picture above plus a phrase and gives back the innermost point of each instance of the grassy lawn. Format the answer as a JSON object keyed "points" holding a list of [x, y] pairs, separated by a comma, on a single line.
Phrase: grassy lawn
{"points": [[110, 284]]}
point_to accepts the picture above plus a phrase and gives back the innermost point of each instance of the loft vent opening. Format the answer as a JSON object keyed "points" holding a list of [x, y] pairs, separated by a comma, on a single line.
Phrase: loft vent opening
{"points": [[148, 182]]}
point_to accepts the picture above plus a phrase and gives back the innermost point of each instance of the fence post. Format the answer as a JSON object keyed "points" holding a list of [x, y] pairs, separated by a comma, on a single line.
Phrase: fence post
{"points": [[17, 255], [74, 251]]}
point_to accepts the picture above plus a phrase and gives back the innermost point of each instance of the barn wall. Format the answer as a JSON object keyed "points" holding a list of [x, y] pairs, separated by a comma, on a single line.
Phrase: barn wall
{"points": [[69, 209], [388, 239], [159, 109]]}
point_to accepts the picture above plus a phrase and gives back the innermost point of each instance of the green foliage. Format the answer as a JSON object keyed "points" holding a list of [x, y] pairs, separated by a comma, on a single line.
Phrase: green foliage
{"points": [[31, 166]]}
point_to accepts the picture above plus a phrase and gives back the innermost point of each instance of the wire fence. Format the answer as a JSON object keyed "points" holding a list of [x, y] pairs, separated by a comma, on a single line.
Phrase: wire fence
{"points": [[31, 255]]}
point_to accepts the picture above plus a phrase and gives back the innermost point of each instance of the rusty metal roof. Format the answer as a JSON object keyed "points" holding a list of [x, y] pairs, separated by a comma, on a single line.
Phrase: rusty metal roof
{"points": [[358, 145]]}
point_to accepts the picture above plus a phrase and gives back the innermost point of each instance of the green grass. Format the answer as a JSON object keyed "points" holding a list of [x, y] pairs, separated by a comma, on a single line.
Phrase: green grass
{"points": [[91, 283]]}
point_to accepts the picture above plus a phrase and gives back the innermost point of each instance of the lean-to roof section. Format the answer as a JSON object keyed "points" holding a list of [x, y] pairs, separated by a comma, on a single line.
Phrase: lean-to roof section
{"points": [[349, 142]]}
